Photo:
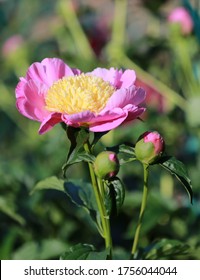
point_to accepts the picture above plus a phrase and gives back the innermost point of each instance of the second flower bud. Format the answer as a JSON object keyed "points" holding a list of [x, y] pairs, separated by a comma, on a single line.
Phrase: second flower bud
{"points": [[106, 165]]}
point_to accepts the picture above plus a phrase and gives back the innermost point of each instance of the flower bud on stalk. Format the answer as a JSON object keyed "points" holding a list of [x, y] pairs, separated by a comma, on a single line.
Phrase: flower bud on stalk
{"points": [[106, 165], [149, 147]]}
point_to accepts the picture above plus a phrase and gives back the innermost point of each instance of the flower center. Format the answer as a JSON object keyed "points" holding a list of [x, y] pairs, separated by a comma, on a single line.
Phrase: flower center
{"points": [[80, 93]]}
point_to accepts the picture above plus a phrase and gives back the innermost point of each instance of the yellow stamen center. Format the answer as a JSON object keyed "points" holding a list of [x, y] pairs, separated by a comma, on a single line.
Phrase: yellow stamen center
{"points": [[80, 93]]}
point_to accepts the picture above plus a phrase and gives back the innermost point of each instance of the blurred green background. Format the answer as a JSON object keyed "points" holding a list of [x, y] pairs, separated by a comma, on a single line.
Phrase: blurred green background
{"points": [[87, 34]]}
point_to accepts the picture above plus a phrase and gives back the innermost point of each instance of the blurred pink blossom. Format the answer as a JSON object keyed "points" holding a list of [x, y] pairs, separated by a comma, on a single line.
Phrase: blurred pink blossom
{"points": [[181, 15], [153, 98], [12, 44]]}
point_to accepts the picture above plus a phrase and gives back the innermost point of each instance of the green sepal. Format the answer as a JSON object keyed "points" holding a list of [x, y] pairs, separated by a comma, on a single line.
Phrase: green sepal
{"points": [[97, 136], [77, 137]]}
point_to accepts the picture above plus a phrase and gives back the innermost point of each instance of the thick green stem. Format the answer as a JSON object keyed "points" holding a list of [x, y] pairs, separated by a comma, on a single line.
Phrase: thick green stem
{"points": [[142, 209], [100, 203]]}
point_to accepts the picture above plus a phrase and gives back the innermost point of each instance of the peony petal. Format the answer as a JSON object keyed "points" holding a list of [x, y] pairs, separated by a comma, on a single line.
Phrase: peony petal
{"points": [[110, 75], [49, 71], [134, 114], [26, 109], [123, 96], [19, 91], [49, 122], [127, 79], [30, 100], [108, 115], [78, 119], [108, 125], [117, 78]]}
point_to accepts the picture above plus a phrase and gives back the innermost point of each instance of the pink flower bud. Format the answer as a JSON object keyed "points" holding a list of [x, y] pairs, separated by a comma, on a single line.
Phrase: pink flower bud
{"points": [[149, 147], [180, 15], [106, 165]]}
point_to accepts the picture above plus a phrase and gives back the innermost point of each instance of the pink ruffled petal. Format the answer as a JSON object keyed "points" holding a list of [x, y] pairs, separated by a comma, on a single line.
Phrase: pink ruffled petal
{"points": [[49, 70], [78, 119], [127, 79], [110, 75], [30, 100], [108, 115], [134, 114], [19, 91], [26, 109], [117, 78], [108, 125], [49, 122], [123, 96], [108, 120]]}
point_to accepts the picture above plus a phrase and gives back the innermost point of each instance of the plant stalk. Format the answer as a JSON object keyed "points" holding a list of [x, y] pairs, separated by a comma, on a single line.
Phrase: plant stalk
{"points": [[100, 203], [142, 209]]}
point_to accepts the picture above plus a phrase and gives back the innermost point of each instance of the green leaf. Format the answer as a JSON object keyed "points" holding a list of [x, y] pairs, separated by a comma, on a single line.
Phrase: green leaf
{"points": [[84, 252], [6, 209], [178, 169], [77, 138], [125, 152], [50, 183], [79, 157], [164, 249], [115, 196], [43, 250], [81, 193]]}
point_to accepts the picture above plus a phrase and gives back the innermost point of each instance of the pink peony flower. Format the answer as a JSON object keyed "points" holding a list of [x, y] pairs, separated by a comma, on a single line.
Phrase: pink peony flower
{"points": [[180, 15], [52, 92]]}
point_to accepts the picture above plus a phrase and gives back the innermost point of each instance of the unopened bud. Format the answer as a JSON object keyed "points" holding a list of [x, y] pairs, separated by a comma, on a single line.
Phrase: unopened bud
{"points": [[106, 165], [149, 147]]}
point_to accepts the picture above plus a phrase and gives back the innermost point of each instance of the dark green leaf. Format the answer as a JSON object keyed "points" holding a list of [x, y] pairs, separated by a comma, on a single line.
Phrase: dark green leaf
{"points": [[50, 183], [115, 195], [82, 195], [79, 157], [84, 252], [164, 249], [177, 168], [125, 152]]}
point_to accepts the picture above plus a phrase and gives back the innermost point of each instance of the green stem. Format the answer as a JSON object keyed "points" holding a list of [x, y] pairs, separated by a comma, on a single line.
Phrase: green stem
{"points": [[119, 26], [100, 203], [142, 209], [81, 42]]}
